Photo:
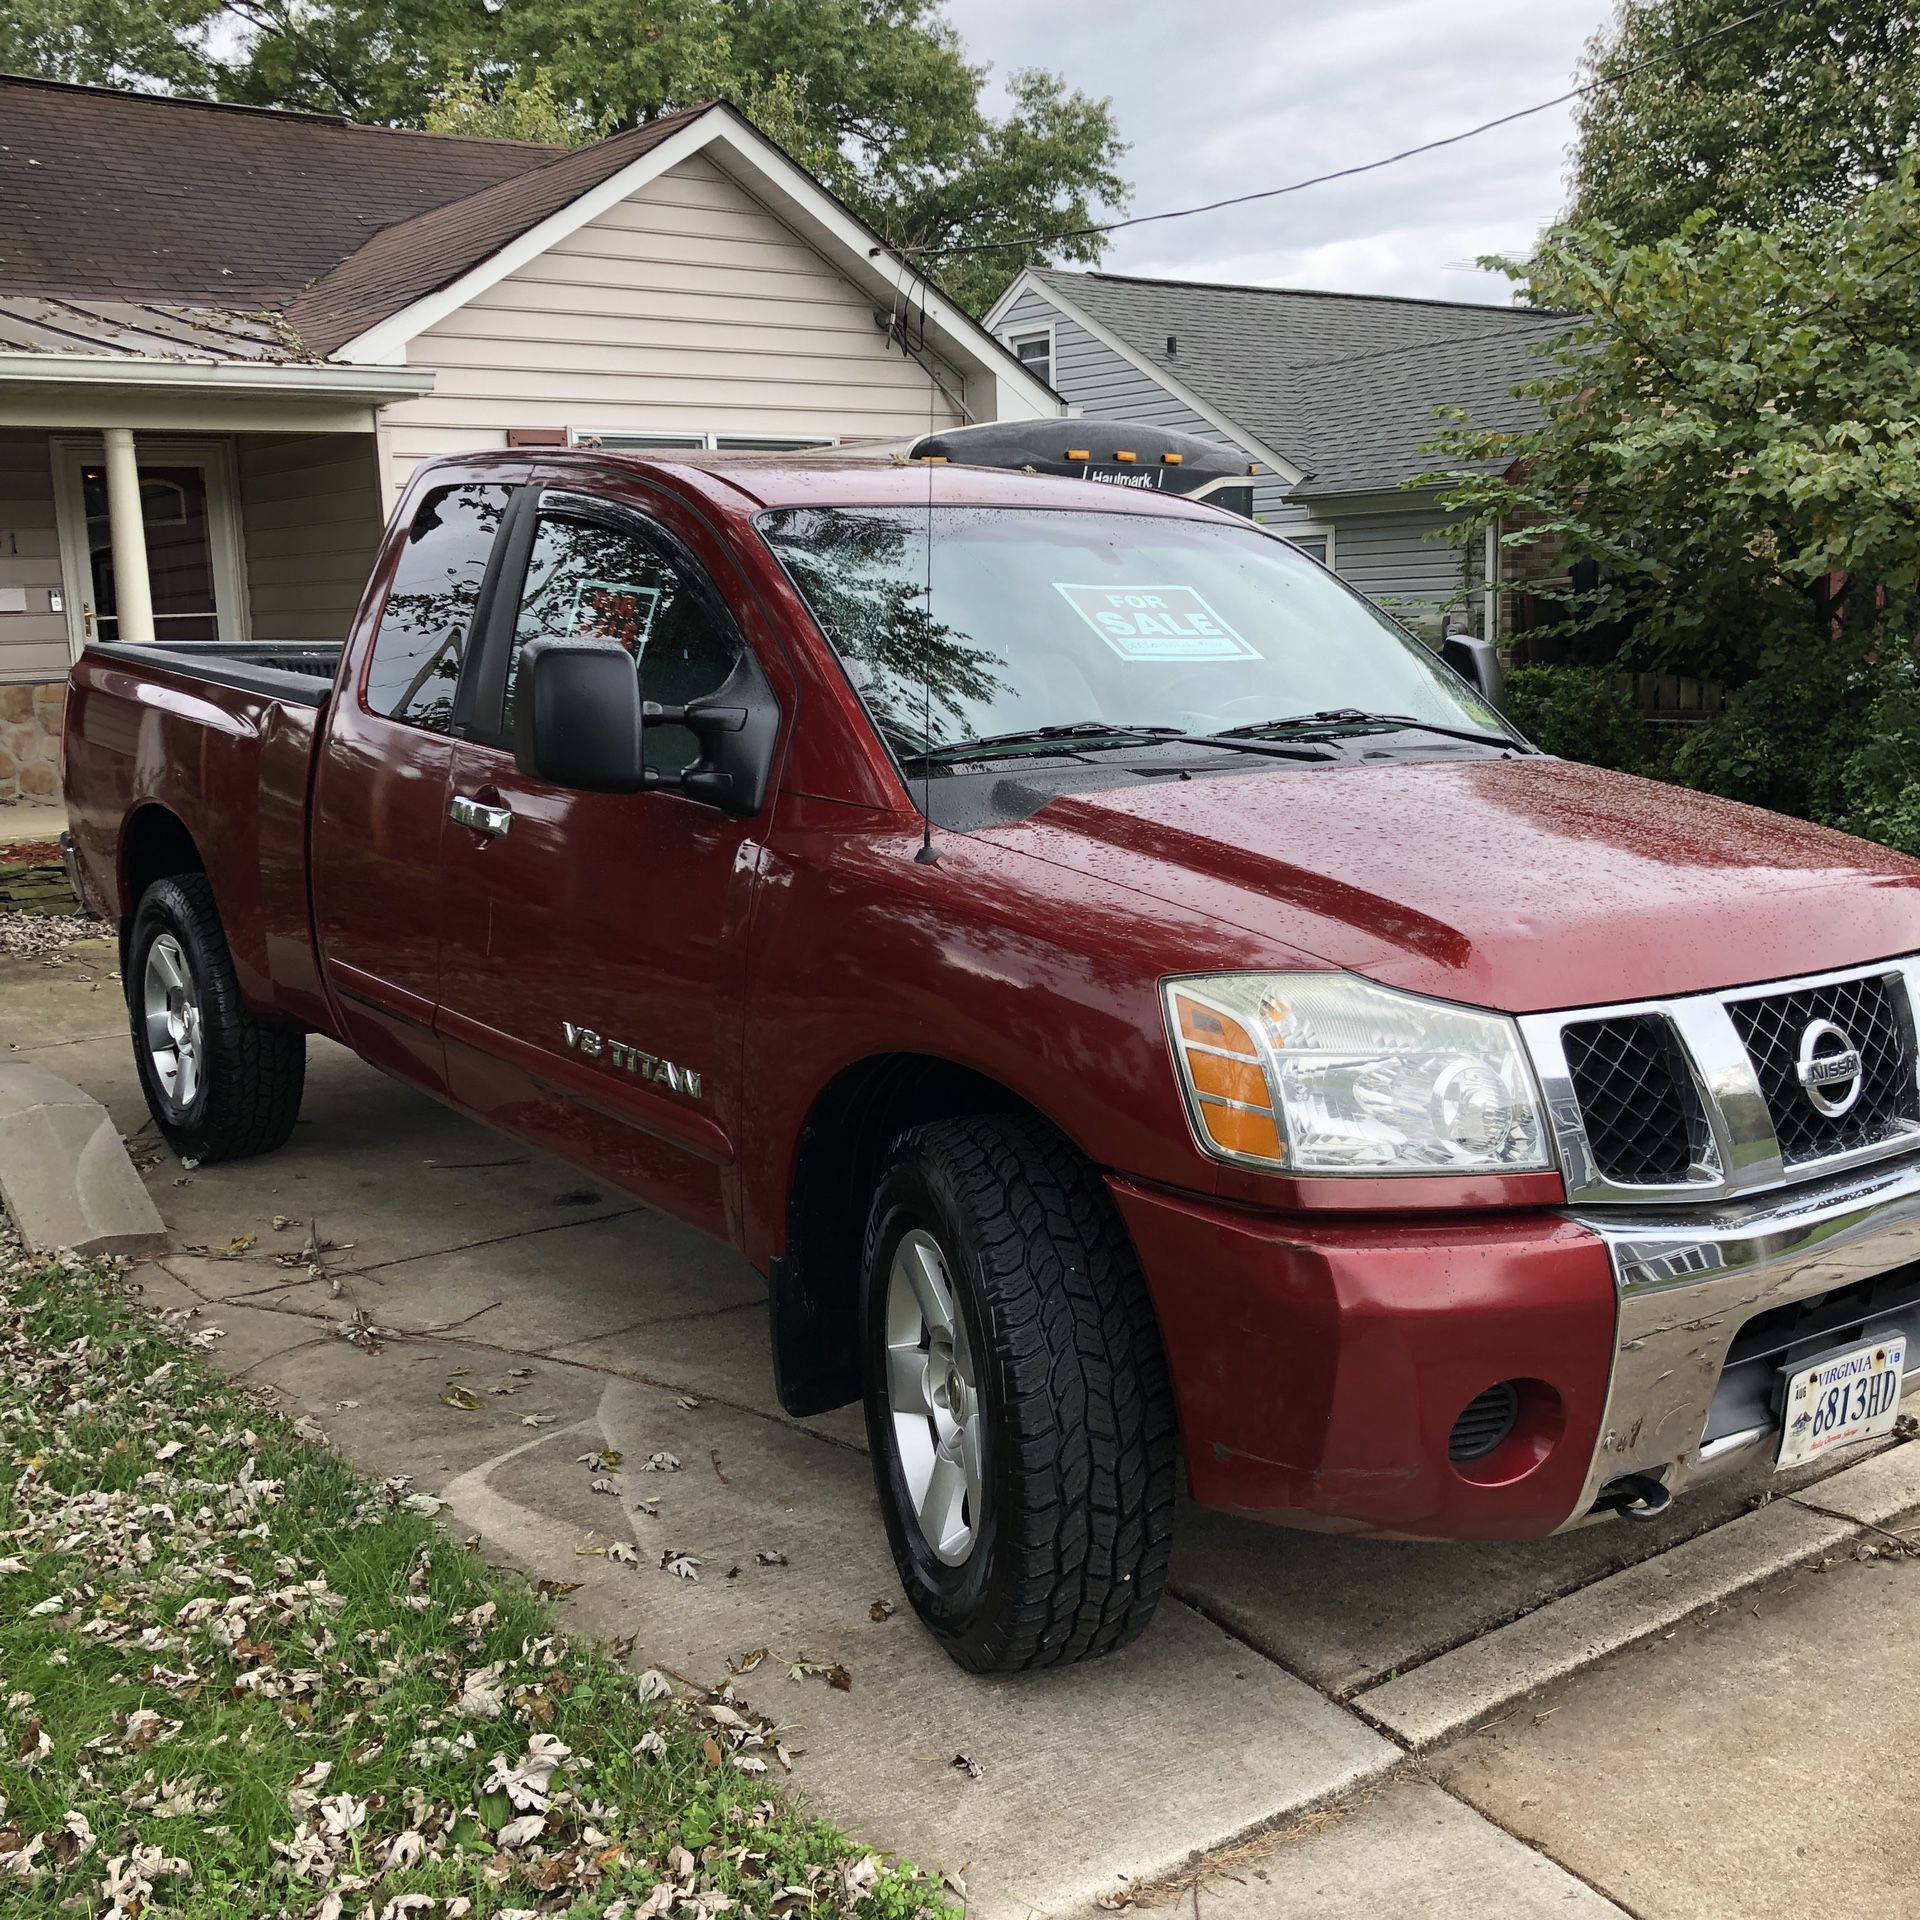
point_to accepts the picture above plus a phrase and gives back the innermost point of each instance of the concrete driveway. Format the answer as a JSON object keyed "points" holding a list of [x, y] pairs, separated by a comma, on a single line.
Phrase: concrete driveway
{"points": [[513, 1317]]}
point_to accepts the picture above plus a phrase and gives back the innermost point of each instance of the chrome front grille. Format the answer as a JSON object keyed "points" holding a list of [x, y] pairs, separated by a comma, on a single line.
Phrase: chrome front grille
{"points": [[1714, 1094], [1643, 1116], [1874, 1013]]}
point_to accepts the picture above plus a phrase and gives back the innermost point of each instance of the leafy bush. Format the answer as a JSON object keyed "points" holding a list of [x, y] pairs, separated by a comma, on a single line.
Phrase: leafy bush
{"points": [[1580, 714], [1880, 781], [1821, 738]]}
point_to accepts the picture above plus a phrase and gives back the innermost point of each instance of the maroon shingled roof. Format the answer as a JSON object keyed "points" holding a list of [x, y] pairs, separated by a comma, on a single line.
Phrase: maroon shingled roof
{"points": [[126, 196], [416, 257]]}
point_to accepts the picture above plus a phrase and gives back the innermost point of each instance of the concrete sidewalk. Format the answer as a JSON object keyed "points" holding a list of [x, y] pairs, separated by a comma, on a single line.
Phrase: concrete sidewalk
{"points": [[581, 1323]]}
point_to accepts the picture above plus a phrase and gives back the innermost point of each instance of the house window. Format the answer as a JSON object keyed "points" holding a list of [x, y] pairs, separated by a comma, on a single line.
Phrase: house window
{"points": [[638, 442], [1034, 351], [702, 442]]}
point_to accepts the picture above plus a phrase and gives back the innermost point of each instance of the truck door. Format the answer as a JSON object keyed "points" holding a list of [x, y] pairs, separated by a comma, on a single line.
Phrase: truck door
{"points": [[593, 945], [380, 794]]}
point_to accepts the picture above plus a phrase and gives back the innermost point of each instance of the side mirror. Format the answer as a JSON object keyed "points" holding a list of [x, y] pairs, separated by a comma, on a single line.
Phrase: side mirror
{"points": [[577, 716], [1478, 663]]}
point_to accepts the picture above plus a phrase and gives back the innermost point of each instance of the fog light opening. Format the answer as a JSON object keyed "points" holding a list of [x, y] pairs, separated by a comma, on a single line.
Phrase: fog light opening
{"points": [[1506, 1431], [1484, 1422]]}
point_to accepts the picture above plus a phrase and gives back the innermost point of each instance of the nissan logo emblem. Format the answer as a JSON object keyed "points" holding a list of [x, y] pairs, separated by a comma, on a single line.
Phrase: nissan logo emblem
{"points": [[1829, 1069]]}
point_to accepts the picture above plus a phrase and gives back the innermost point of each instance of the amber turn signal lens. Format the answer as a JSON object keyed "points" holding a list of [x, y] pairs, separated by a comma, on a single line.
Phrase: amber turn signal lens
{"points": [[1251, 1134], [1239, 1080], [1227, 1081], [1211, 1029]]}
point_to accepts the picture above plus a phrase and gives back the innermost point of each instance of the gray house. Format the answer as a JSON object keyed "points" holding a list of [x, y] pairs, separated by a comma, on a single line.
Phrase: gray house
{"points": [[1332, 393]]}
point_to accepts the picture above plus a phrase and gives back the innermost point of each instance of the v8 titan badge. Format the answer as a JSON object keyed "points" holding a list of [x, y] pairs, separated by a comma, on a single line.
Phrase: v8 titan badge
{"points": [[1156, 623]]}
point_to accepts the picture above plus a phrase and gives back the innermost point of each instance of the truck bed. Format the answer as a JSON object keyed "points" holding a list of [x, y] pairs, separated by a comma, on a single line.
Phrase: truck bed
{"points": [[298, 670], [210, 745]]}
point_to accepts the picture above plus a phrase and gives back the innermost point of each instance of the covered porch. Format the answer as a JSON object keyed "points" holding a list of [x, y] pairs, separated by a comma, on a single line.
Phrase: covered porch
{"points": [[147, 501]]}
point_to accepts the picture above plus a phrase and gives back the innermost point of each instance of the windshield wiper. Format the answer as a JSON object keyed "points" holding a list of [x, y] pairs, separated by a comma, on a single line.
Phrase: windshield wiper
{"points": [[1334, 719], [1082, 733]]}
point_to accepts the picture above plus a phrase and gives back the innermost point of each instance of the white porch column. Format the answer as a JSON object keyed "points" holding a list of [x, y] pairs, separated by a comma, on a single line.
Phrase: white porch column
{"points": [[126, 527]]}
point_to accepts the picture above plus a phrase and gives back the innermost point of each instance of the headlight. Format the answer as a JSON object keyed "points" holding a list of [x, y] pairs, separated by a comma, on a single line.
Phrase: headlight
{"points": [[1326, 1073]]}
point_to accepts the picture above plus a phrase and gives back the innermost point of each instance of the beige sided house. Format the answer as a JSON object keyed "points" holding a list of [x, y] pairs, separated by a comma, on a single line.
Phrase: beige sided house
{"points": [[227, 335]]}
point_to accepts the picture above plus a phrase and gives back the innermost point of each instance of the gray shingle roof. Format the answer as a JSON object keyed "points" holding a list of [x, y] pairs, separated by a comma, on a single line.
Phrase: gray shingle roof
{"points": [[139, 226], [1344, 385], [106, 195]]}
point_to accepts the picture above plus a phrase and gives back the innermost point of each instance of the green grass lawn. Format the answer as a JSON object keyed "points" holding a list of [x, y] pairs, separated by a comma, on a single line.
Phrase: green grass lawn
{"points": [[238, 1678]]}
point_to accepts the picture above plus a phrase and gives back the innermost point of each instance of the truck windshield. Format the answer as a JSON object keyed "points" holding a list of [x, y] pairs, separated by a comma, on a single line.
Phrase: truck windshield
{"points": [[1043, 619]]}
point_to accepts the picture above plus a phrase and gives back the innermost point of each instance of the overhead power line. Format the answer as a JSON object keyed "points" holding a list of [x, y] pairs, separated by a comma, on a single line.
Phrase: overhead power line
{"points": [[1365, 166]]}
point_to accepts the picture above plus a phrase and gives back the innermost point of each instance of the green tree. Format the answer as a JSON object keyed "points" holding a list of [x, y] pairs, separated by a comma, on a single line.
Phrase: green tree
{"points": [[109, 43], [1730, 429], [512, 109], [876, 96], [1780, 117]]}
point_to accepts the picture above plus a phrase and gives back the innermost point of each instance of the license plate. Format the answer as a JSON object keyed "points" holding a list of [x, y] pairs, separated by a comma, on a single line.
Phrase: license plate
{"points": [[1852, 1396]]}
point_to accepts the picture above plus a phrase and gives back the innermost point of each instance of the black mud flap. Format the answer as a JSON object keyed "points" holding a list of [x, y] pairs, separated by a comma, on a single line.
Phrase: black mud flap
{"points": [[816, 1340]]}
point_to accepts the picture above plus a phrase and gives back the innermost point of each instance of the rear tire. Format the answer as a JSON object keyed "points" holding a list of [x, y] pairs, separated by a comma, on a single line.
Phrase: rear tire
{"points": [[1036, 1434], [219, 1084]]}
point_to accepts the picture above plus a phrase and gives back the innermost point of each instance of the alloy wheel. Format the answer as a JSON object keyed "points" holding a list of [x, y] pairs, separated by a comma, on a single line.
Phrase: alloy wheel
{"points": [[934, 1398], [170, 1007]]}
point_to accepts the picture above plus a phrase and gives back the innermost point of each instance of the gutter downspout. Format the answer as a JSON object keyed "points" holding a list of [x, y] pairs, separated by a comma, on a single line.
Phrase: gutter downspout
{"points": [[1491, 629], [127, 529]]}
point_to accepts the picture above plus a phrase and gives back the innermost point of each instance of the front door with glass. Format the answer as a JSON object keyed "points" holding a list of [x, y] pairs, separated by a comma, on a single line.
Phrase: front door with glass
{"points": [[193, 561]]}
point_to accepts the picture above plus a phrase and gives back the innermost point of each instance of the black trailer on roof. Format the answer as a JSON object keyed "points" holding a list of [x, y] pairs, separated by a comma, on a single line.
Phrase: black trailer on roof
{"points": [[1114, 453]]}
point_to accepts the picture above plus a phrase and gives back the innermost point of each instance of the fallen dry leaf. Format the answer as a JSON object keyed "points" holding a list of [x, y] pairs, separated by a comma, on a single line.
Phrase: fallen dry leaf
{"points": [[835, 1675]]}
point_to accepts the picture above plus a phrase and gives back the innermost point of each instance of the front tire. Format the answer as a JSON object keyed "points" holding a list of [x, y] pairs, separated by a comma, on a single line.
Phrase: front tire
{"points": [[1018, 1407], [219, 1084]]}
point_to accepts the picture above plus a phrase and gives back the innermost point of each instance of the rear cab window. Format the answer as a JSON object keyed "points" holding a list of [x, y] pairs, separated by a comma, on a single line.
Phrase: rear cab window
{"points": [[414, 670]]}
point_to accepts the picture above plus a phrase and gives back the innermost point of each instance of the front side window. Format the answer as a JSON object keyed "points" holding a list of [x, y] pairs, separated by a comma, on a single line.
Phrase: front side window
{"points": [[1022, 618], [589, 580], [422, 639]]}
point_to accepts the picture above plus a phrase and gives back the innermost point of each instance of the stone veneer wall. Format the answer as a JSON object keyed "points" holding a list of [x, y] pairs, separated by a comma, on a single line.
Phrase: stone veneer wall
{"points": [[30, 741]]}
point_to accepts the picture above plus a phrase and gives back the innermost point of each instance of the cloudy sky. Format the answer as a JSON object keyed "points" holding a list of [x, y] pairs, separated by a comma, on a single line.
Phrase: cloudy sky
{"points": [[1223, 96]]}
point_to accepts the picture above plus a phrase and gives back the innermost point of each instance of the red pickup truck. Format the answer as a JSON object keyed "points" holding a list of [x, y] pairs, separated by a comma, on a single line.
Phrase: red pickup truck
{"points": [[1130, 999]]}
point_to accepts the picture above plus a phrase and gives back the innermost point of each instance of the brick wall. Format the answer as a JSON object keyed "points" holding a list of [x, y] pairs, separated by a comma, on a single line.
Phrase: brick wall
{"points": [[30, 741]]}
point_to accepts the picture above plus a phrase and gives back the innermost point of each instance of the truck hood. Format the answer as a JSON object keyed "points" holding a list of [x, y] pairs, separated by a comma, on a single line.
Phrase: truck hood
{"points": [[1525, 885]]}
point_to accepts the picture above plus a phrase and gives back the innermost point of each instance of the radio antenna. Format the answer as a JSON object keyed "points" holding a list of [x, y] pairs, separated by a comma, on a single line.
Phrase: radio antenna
{"points": [[927, 855]]}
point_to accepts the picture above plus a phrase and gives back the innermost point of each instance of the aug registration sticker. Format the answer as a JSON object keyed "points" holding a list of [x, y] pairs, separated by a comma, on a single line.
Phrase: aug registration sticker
{"points": [[1156, 623]]}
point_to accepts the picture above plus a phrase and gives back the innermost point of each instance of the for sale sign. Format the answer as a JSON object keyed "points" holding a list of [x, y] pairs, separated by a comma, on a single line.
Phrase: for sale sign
{"points": [[1156, 623]]}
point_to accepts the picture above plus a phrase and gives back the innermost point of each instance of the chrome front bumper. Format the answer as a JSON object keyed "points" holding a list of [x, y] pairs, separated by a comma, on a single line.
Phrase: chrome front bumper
{"points": [[1689, 1278]]}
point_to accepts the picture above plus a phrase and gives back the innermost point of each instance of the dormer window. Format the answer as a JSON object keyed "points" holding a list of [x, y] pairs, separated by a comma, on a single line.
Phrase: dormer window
{"points": [[1034, 351]]}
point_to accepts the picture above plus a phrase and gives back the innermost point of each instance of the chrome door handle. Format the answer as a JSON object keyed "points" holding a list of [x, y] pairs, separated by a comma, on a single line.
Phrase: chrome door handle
{"points": [[479, 816]]}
